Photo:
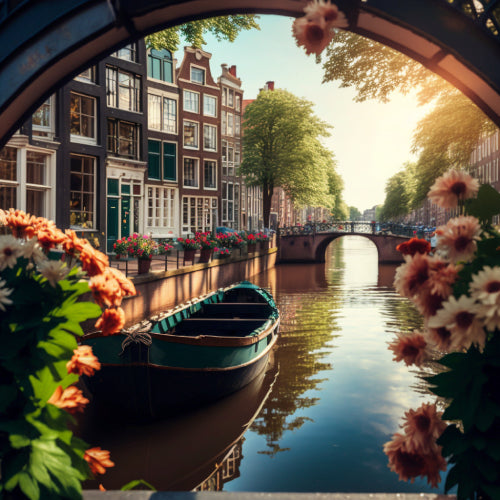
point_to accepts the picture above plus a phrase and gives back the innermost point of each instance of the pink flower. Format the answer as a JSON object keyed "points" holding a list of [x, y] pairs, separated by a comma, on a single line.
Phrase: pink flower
{"points": [[440, 337], [458, 238], [485, 288], [460, 317], [315, 30], [423, 427], [451, 187], [410, 348]]}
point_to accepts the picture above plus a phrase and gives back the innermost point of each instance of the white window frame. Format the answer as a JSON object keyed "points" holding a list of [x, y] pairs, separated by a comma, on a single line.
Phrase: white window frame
{"points": [[21, 184], [196, 172], [81, 138], [49, 130], [94, 211], [186, 100], [198, 68], [197, 135], [162, 203], [214, 188], [213, 135], [206, 111]]}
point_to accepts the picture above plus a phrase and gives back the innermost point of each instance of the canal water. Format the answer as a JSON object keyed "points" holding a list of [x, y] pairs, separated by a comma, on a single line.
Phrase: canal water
{"points": [[317, 420]]}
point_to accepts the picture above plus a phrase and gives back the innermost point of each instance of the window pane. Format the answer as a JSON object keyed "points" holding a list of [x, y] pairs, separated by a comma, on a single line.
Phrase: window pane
{"points": [[41, 117], [198, 75], [81, 192], [154, 111], [8, 164], [35, 202], [191, 134], [169, 115], [169, 161], [209, 105], [35, 168]]}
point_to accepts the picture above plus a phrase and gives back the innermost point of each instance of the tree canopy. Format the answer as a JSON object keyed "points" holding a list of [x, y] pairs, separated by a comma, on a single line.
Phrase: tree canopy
{"points": [[444, 138], [223, 28], [282, 148]]}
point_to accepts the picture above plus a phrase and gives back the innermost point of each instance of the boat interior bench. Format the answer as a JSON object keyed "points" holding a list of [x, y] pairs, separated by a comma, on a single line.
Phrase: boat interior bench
{"points": [[234, 310], [218, 326]]}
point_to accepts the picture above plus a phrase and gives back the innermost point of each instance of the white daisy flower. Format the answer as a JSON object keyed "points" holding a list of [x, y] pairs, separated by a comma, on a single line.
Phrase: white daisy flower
{"points": [[4, 294], [485, 289], [461, 318], [32, 250], [53, 270], [10, 250]]}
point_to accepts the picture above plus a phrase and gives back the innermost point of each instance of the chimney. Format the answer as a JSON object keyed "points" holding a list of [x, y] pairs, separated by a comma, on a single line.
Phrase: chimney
{"points": [[232, 70], [224, 68], [270, 85]]}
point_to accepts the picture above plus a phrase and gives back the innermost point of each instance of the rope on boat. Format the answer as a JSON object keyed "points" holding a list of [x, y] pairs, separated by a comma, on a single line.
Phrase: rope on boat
{"points": [[137, 337]]}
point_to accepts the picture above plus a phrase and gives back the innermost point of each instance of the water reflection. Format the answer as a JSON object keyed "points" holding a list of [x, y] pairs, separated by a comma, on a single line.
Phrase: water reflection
{"points": [[323, 421]]}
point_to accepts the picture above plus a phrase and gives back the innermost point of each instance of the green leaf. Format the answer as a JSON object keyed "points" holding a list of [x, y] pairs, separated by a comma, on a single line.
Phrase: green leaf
{"points": [[487, 467], [486, 205], [137, 482], [19, 441], [29, 486], [493, 491]]}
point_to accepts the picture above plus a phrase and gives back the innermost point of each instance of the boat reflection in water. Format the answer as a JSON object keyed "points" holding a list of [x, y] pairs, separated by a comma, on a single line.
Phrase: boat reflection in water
{"points": [[198, 450]]}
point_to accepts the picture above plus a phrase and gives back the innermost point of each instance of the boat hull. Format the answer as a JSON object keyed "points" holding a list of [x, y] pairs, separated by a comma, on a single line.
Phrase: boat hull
{"points": [[147, 391]]}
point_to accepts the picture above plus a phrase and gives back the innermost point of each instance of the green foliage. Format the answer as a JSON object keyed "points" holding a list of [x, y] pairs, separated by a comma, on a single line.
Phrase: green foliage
{"points": [[40, 457], [444, 138], [223, 28], [354, 213], [282, 148]]}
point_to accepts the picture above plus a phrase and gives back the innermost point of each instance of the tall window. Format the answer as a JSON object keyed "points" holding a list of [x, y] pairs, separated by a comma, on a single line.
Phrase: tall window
{"points": [[82, 187], [230, 124], [123, 90], [223, 125], [162, 160], [237, 124], [87, 76], [26, 181], [161, 207], [210, 174], [160, 65], [230, 98], [237, 102], [82, 118], [128, 53], [123, 139], [198, 213], [162, 113], [209, 137], [191, 101], [190, 172], [209, 105], [43, 119], [191, 134], [197, 75]]}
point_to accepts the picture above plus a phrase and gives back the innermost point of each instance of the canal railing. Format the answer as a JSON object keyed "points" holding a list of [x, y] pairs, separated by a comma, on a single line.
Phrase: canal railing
{"points": [[365, 227]]}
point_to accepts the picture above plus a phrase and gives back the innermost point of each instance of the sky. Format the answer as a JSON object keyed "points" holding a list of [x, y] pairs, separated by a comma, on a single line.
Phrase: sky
{"points": [[371, 141]]}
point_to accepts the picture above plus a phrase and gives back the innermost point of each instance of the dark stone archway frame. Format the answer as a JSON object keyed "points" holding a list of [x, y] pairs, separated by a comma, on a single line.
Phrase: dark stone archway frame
{"points": [[43, 44]]}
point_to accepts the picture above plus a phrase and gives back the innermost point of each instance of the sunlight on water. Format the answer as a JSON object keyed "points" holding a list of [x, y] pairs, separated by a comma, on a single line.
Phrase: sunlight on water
{"points": [[330, 400]]}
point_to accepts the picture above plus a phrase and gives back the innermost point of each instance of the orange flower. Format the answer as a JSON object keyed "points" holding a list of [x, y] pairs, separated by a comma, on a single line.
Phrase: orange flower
{"points": [[49, 236], [111, 321], [71, 399], [93, 261], [19, 222], [413, 246], [127, 287], [72, 243], [98, 460], [106, 290], [410, 348], [423, 427], [83, 361]]}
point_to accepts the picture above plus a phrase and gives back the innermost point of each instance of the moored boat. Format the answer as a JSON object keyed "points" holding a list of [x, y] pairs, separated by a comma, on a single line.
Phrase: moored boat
{"points": [[196, 353]]}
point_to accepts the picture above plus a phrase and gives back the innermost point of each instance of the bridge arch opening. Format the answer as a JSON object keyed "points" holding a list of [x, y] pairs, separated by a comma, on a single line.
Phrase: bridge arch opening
{"points": [[45, 46], [322, 249]]}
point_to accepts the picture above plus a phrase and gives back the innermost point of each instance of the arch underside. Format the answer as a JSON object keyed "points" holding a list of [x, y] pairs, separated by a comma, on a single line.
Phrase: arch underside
{"points": [[320, 254], [43, 44]]}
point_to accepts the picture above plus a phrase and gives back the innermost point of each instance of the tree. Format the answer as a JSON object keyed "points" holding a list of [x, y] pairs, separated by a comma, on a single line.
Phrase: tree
{"points": [[354, 213], [397, 196], [445, 137], [223, 28], [282, 148]]}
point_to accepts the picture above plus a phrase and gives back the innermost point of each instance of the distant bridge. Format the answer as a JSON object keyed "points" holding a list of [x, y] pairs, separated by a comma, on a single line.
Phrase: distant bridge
{"points": [[308, 243]]}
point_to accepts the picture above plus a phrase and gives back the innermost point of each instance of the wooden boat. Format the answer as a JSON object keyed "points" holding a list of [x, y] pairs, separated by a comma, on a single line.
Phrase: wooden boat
{"points": [[197, 353], [181, 452]]}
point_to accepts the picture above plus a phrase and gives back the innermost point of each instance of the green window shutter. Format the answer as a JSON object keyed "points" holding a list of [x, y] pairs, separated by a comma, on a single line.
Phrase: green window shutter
{"points": [[154, 159], [169, 161], [113, 187], [167, 71]]}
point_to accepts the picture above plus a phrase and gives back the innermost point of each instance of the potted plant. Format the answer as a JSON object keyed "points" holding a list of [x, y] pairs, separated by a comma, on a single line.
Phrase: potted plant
{"points": [[251, 242], [221, 252], [143, 247], [207, 244], [189, 246], [120, 247]]}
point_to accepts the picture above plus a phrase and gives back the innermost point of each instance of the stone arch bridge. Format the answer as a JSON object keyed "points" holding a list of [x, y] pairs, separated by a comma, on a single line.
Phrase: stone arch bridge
{"points": [[309, 243]]}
